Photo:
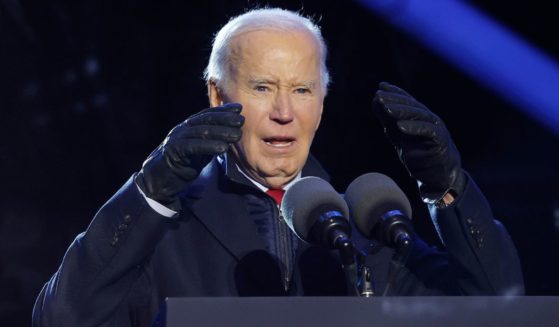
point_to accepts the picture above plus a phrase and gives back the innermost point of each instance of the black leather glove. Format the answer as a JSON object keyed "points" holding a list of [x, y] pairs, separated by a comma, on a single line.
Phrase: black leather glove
{"points": [[186, 150], [422, 141]]}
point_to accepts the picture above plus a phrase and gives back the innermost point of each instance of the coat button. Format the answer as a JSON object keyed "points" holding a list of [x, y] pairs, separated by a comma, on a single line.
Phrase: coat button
{"points": [[127, 218]]}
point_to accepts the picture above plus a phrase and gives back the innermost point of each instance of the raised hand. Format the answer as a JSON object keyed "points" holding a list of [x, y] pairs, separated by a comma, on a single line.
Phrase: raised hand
{"points": [[422, 141], [188, 147]]}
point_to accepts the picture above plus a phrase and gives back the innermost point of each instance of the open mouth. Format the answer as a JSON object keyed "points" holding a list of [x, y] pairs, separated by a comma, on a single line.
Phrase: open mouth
{"points": [[279, 142]]}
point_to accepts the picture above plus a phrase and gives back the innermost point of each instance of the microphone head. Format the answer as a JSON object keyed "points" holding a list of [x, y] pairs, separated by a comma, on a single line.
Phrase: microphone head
{"points": [[372, 195], [306, 200]]}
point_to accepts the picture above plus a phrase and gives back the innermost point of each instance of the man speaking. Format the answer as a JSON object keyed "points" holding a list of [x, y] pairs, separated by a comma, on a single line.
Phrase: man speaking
{"points": [[201, 217]]}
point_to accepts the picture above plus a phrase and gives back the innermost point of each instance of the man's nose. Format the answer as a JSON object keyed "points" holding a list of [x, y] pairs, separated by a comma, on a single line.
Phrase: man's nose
{"points": [[282, 111]]}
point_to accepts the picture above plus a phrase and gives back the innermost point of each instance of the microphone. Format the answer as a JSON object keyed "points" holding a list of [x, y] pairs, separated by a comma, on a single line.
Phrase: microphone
{"points": [[381, 210], [317, 213]]}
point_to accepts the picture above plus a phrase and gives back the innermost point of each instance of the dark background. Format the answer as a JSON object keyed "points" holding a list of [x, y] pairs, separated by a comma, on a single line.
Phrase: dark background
{"points": [[89, 88]]}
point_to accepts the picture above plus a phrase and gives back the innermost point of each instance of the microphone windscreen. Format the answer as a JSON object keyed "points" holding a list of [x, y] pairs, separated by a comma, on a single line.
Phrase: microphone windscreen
{"points": [[372, 195], [306, 200]]}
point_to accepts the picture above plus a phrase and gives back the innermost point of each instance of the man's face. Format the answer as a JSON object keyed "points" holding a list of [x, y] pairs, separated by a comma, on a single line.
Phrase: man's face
{"points": [[276, 77]]}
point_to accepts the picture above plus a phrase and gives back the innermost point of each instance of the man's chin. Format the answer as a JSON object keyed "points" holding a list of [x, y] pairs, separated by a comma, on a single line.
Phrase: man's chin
{"points": [[275, 173], [277, 182], [276, 178]]}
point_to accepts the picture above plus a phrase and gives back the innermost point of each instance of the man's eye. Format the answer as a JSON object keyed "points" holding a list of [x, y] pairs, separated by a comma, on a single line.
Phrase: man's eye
{"points": [[302, 90], [261, 88]]}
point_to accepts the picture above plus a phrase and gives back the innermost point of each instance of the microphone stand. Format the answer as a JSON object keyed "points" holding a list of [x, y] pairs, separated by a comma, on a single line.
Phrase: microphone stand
{"points": [[346, 249], [398, 261], [333, 230], [365, 283], [394, 230], [359, 278]]}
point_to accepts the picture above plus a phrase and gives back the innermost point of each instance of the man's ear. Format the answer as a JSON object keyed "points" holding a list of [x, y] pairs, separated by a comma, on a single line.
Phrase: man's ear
{"points": [[214, 94]]}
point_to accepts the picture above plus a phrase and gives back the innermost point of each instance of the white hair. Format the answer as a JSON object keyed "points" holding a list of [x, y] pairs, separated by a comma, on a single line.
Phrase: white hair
{"points": [[218, 68]]}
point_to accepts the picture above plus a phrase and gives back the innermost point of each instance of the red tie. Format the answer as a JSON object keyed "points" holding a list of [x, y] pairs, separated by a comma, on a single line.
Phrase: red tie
{"points": [[277, 194]]}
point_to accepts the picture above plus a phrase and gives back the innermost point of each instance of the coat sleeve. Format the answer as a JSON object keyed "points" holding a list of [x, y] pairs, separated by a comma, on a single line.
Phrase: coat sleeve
{"points": [[103, 264], [479, 258]]}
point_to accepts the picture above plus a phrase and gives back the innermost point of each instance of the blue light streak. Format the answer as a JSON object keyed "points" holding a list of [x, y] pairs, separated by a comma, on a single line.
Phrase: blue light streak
{"points": [[483, 49]]}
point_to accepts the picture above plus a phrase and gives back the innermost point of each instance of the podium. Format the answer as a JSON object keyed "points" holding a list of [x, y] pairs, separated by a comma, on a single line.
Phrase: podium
{"points": [[357, 311]]}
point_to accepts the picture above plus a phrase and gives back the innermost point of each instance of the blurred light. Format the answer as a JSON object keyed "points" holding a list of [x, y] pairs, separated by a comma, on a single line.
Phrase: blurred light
{"points": [[482, 49], [91, 66]]}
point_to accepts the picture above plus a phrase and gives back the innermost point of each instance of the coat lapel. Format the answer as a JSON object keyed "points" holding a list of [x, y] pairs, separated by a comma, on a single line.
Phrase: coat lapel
{"points": [[218, 205]]}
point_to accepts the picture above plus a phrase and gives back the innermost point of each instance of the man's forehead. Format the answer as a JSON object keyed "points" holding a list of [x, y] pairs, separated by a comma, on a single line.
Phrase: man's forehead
{"points": [[258, 38], [275, 57]]}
